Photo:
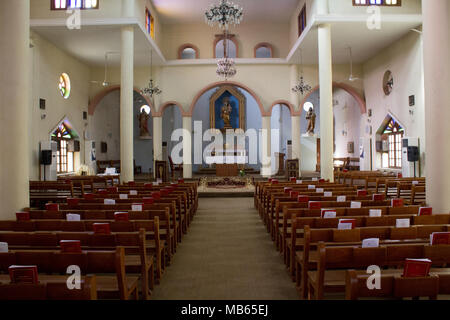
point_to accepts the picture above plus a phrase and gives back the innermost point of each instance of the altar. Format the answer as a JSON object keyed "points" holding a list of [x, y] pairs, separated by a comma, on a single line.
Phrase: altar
{"points": [[227, 162]]}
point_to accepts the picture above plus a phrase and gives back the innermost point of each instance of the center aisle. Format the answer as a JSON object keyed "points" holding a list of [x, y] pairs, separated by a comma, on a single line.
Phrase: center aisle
{"points": [[227, 254]]}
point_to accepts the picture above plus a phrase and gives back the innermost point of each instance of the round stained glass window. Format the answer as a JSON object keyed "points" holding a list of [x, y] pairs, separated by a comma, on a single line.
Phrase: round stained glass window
{"points": [[64, 85]]}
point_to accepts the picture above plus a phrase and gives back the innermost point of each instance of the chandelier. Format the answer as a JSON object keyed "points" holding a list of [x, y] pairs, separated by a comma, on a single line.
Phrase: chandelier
{"points": [[151, 90], [224, 14], [225, 68], [301, 87]]}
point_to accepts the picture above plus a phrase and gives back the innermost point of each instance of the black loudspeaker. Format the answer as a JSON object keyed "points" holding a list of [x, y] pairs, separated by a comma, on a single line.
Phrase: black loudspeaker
{"points": [[413, 154], [46, 157], [104, 147], [76, 146]]}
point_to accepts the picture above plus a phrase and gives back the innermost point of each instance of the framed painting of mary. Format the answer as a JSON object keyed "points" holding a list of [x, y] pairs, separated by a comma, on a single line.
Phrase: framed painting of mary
{"points": [[227, 109]]}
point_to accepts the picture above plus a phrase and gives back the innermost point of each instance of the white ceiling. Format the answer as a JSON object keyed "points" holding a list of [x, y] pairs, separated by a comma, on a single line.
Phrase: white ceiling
{"points": [[90, 43], [193, 11], [365, 43]]}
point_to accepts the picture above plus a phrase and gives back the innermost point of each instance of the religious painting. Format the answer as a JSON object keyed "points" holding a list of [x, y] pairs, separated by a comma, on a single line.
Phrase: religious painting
{"points": [[227, 109]]}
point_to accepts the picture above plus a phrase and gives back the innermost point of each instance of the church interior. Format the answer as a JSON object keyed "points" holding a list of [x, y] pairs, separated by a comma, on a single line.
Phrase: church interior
{"points": [[225, 149]]}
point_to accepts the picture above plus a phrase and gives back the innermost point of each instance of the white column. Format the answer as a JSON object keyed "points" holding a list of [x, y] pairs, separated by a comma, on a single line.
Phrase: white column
{"points": [[296, 145], [126, 105], [326, 102], [157, 138], [436, 44], [187, 147], [14, 106], [266, 155], [157, 141]]}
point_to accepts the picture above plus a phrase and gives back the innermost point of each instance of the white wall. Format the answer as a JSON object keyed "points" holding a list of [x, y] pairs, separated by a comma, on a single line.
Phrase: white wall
{"points": [[48, 62], [248, 35], [404, 59]]}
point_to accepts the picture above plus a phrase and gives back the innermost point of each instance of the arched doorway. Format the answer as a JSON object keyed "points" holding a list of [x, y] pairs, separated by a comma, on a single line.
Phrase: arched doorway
{"points": [[104, 128], [348, 108], [206, 115], [281, 134]]}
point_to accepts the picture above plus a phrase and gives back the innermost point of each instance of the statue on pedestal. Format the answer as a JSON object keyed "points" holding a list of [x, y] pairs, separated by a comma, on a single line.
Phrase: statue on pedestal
{"points": [[311, 117], [225, 113], [143, 123]]}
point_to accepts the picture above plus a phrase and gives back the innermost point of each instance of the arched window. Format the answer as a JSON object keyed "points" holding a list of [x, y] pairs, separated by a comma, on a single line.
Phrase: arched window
{"points": [[64, 158], [188, 51], [232, 47], [393, 134], [263, 50]]}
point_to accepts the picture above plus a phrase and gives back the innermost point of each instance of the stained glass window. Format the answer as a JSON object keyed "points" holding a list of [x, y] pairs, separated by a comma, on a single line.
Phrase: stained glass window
{"points": [[74, 4], [64, 158], [394, 133], [149, 23], [64, 85], [377, 2]]}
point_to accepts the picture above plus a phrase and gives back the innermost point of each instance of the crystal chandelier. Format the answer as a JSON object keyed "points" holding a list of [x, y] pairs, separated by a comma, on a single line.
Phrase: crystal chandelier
{"points": [[224, 14], [151, 90], [225, 68], [301, 86]]}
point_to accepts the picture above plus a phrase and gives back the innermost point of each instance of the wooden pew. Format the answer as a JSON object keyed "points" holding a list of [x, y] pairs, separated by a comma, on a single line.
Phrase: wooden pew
{"points": [[49, 288]]}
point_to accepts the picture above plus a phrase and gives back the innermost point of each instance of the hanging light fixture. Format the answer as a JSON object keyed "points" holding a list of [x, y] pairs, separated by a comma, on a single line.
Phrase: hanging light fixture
{"points": [[151, 90], [301, 87], [224, 14]]}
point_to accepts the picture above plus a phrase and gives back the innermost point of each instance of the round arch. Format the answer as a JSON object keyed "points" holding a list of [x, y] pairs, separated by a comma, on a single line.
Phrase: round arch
{"points": [[349, 89], [186, 46], [99, 96], [287, 104], [168, 104], [232, 83]]}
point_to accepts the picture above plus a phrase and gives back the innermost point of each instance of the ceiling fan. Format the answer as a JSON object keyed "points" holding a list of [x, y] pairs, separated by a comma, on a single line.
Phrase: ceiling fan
{"points": [[105, 82], [352, 78]]}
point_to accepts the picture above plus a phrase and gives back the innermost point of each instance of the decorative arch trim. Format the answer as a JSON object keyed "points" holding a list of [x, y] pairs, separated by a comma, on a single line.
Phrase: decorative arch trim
{"points": [[287, 104], [265, 45], [168, 104], [352, 91], [227, 83], [99, 96], [188, 45]]}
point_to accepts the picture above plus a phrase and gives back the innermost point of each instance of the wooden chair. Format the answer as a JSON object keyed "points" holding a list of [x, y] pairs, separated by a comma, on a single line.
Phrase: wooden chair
{"points": [[175, 168]]}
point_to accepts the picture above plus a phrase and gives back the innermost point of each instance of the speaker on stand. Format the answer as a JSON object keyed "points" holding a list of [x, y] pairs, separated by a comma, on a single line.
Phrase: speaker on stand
{"points": [[46, 159], [413, 156]]}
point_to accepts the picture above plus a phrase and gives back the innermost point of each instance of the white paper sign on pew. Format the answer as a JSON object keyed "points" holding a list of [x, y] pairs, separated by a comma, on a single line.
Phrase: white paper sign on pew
{"points": [[355, 205], [371, 243], [415, 183], [328, 213], [133, 193], [341, 199], [328, 194], [109, 201], [136, 207], [375, 213], [299, 181], [110, 171], [320, 190], [73, 217], [123, 196], [4, 247], [402, 223], [346, 224], [311, 187], [315, 179]]}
